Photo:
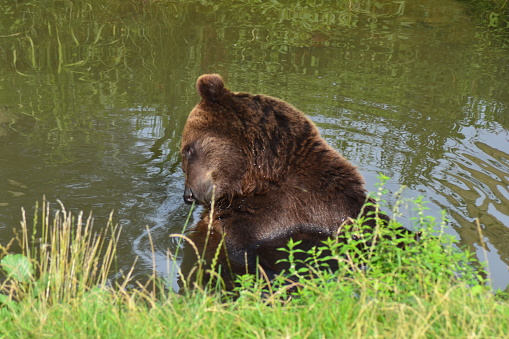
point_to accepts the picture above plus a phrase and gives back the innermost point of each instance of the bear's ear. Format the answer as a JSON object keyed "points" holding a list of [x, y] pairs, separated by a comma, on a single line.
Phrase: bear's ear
{"points": [[211, 87]]}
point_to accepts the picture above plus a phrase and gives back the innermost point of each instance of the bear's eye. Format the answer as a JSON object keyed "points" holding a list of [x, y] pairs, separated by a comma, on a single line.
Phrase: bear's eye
{"points": [[189, 151]]}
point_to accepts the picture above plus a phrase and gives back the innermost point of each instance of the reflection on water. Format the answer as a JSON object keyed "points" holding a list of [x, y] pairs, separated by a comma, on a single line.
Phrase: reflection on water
{"points": [[474, 180], [92, 106]]}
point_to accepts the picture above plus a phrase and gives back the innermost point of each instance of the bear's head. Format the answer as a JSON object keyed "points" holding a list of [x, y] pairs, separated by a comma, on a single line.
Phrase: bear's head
{"points": [[236, 144]]}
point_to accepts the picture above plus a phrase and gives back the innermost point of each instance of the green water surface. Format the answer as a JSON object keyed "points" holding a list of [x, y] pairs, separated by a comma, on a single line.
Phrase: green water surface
{"points": [[94, 95]]}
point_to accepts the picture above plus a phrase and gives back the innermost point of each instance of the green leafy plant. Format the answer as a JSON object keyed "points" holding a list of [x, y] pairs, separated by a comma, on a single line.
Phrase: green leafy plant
{"points": [[17, 267], [378, 263]]}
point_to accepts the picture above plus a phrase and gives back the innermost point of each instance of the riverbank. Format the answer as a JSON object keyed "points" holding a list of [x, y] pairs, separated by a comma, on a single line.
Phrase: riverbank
{"points": [[329, 312], [61, 286]]}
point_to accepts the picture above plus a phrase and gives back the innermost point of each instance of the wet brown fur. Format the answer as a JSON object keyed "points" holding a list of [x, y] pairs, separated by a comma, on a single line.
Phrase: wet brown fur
{"points": [[272, 175]]}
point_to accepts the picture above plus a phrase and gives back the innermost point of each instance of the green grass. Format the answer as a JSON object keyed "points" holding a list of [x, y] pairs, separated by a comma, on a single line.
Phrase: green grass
{"points": [[58, 288], [331, 312]]}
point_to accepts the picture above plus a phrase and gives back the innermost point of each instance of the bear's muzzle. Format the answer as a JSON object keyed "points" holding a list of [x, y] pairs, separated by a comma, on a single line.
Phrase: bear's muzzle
{"points": [[189, 196]]}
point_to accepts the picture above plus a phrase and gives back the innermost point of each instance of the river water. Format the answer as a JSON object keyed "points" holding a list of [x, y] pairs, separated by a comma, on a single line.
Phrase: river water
{"points": [[93, 98]]}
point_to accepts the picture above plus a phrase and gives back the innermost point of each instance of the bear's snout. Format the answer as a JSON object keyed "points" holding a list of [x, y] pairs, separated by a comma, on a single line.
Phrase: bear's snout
{"points": [[189, 197]]}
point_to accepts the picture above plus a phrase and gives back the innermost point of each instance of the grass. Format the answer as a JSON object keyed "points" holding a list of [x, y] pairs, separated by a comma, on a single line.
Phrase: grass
{"points": [[58, 287], [456, 312], [61, 260]]}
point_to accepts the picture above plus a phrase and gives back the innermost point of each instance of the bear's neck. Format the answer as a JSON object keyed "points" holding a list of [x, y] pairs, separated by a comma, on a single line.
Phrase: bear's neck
{"points": [[326, 171]]}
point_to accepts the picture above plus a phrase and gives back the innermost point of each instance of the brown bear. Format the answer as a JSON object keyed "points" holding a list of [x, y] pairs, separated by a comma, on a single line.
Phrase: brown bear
{"points": [[264, 175]]}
